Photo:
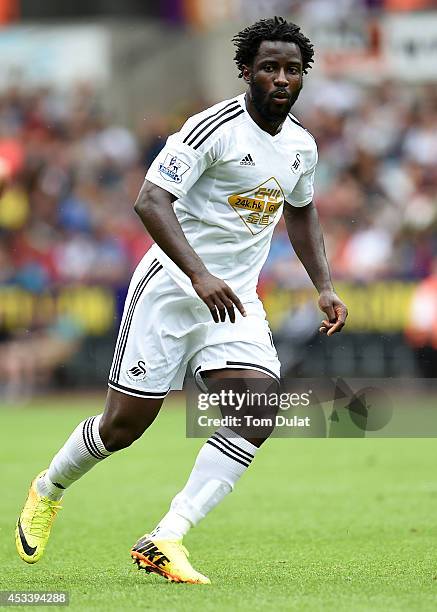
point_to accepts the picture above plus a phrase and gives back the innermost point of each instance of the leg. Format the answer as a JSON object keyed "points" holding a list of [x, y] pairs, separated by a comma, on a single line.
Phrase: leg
{"points": [[219, 465], [264, 384], [124, 420], [140, 377], [135, 393], [225, 456]]}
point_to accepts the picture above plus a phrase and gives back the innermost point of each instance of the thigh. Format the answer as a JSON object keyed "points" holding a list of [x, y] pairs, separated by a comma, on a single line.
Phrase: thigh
{"points": [[250, 368]]}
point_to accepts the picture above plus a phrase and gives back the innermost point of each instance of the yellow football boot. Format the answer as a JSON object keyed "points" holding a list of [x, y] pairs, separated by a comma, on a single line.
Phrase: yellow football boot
{"points": [[168, 558], [34, 524]]}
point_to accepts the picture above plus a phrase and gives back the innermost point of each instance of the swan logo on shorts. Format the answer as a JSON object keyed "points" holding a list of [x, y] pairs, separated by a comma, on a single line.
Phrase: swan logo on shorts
{"points": [[173, 168], [138, 372]]}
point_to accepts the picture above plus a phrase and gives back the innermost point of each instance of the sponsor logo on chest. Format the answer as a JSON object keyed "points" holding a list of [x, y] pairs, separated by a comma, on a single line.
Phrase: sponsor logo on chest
{"points": [[258, 207]]}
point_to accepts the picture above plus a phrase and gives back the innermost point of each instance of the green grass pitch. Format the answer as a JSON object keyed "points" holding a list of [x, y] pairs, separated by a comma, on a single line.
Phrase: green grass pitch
{"points": [[328, 524]]}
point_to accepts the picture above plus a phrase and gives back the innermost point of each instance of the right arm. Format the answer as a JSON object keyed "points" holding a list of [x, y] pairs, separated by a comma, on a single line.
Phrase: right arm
{"points": [[154, 207]]}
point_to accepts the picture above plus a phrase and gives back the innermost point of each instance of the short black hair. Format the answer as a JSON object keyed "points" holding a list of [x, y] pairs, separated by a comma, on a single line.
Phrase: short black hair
{"points": [[276, 28]]}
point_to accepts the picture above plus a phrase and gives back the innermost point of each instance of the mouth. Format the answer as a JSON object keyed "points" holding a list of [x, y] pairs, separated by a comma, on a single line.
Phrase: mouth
{"points": [[280, 97], [280, 101]]}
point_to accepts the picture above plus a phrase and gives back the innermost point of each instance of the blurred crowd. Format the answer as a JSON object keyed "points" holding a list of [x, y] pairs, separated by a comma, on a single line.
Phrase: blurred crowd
{"points": [[66, 212]]}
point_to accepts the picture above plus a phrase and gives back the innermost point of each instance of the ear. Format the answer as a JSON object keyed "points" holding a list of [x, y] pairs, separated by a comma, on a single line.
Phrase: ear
{"points": [[247, 72]]}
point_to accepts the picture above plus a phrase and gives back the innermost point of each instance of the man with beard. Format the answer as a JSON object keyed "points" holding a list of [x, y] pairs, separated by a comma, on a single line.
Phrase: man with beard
{"points": [[211, 200]]}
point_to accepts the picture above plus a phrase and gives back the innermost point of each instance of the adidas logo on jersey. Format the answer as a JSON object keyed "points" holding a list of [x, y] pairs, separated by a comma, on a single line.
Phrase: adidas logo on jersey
{"points": [[247, 161]]}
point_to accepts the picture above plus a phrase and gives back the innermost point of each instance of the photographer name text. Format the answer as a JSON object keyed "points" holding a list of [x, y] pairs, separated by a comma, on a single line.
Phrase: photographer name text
{"points": [[252, 421]]}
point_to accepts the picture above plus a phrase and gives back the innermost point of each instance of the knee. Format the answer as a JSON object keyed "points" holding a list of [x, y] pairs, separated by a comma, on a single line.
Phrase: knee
{"points": [[116, 436]]}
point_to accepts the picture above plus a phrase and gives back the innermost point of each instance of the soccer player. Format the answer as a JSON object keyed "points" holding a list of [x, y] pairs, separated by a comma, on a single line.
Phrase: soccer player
{"points": [[211, 200]]}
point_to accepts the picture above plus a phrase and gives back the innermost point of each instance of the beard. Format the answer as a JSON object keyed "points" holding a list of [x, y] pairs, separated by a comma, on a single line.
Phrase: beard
{"points": [[266, 108]]}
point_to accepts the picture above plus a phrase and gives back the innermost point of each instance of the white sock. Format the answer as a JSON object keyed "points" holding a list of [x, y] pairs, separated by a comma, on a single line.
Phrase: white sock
{"points": [[220, 463], [82, 451]]}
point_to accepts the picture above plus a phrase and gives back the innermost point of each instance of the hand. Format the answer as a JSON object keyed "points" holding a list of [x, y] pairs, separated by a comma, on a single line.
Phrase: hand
{"points": [[218, 296], [335, 310]]}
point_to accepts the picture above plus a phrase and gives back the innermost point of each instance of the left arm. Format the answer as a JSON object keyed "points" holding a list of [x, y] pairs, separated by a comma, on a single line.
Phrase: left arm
{"points": [[306, 237]]}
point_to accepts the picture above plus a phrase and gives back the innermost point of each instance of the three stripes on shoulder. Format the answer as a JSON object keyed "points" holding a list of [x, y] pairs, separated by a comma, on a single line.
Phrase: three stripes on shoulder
{"points": [[208, 125]]}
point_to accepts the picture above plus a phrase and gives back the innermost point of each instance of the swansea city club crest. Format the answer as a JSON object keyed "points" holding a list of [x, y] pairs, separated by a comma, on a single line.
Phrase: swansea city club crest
{"points": [[138, 371]]}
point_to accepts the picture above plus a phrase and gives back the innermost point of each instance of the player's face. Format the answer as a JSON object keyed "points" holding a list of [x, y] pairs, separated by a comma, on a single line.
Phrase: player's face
{"points": [[275, 79]]}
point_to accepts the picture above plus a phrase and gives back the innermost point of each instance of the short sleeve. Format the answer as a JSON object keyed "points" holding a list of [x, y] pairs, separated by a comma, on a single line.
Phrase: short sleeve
{"points": [[178, 166], [303, 191]]}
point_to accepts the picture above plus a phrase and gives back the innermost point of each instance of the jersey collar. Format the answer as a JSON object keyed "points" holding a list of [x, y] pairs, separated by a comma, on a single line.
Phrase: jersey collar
{"points": [[276, 137]]}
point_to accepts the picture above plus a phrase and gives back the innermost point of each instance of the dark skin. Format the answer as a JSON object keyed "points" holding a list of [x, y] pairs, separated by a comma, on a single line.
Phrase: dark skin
{"points": [[306, 236], [274, 82]]}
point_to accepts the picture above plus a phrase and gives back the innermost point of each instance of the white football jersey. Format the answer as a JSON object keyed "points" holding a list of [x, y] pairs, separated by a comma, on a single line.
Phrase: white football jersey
{"points": [[232, 179]]}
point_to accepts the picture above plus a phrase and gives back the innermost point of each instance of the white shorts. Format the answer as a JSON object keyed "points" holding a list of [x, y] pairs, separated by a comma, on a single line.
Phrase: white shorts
{"points": [[163, 331]]}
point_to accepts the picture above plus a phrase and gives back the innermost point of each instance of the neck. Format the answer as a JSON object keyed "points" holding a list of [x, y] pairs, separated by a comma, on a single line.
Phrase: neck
{"points": [[271, 127]]}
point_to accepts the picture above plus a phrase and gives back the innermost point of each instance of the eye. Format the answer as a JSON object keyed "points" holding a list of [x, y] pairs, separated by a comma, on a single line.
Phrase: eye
{"points": [[268, 68], [293, 70]]}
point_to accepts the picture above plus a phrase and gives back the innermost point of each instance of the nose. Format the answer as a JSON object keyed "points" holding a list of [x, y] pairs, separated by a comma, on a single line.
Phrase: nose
{"points": [[281, 78]]}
